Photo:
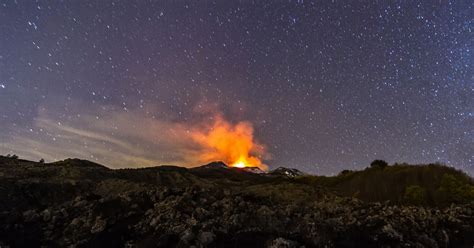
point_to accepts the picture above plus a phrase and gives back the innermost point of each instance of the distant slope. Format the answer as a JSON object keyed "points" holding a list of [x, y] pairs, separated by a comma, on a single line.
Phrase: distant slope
{"points": [[42, 184], [288, 172], [432, 184]]}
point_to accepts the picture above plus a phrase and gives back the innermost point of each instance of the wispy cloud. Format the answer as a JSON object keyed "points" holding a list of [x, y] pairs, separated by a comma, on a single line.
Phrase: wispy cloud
{"points": [[116, 138]]}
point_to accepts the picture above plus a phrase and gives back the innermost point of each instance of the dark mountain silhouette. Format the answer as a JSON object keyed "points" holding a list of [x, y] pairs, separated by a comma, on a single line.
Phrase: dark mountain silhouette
{"points": [[83, 204]]}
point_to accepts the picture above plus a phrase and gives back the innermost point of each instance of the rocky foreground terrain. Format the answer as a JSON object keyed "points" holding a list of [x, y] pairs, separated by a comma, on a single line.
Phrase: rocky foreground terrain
{"points": [[77, 203]]}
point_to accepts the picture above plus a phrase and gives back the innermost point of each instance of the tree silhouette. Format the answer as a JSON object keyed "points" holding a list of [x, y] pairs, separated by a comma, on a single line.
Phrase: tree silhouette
{"points": [[379, 163]]}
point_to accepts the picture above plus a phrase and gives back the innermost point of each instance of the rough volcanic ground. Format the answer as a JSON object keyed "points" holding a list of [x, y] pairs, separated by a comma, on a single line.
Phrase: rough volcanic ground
{"points": [[76, 203]]}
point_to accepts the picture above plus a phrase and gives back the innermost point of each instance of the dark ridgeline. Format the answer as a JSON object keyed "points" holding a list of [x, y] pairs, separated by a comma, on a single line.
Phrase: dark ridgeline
{"points": [[80, 203]]}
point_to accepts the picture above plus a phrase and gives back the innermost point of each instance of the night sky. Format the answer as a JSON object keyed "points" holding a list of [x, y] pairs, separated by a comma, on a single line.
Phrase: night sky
{"points": [[326, 86]]}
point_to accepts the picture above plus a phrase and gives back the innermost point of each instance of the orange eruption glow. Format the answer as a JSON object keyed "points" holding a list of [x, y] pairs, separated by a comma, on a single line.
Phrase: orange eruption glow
{"points": [[232, 144]]}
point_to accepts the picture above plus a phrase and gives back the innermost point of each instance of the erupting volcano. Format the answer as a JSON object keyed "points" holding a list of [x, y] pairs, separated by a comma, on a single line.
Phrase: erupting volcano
{"points": [[233, 144]]}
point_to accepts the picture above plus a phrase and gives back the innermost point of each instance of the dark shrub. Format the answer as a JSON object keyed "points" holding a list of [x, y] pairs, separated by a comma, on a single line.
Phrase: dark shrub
{"points": [[415, 194], [379, 163], [345, 172], [452, 189]]}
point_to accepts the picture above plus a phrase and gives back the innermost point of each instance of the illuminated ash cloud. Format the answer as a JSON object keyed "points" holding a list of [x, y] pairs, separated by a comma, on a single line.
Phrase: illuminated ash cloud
{"points": [[233, 144]]}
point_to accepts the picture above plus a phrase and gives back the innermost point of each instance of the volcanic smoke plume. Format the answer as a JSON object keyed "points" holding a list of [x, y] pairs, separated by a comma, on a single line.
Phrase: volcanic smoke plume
{"points": [[232, 144], [136, 140]]}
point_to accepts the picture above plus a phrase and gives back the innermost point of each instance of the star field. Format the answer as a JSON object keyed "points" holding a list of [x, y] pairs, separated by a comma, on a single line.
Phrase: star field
{"points": [[327, 85]]}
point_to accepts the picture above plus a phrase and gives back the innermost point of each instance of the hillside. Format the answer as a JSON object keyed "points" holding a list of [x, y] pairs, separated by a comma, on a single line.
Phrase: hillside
{"points": [[432, 184], [84, 204]]}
